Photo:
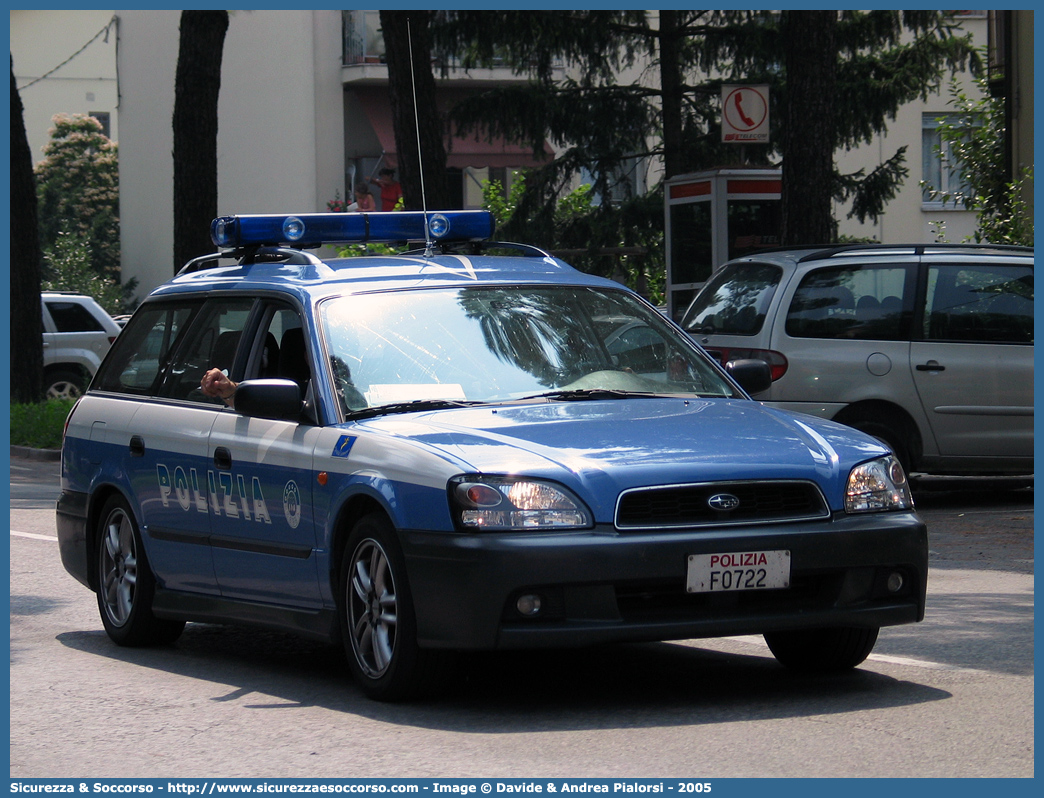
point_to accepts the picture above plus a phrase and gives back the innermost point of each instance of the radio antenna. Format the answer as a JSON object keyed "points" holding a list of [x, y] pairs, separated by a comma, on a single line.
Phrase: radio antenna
{"points": [[428, 248]]}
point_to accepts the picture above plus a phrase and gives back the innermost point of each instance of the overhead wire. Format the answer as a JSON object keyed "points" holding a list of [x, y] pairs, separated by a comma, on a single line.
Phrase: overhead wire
{"points": [[46, 75]]}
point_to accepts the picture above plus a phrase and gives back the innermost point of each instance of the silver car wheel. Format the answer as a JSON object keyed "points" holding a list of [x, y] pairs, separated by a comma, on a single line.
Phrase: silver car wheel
{"points": [[118, 564], [64, 389], [373, 608]]}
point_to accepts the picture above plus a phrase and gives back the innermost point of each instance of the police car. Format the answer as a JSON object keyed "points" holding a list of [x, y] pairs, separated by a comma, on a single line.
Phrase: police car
{"points": [[449, 450]]}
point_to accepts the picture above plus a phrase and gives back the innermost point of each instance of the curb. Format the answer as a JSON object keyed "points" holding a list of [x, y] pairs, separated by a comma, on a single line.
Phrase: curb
{"points": [[27, 453]]}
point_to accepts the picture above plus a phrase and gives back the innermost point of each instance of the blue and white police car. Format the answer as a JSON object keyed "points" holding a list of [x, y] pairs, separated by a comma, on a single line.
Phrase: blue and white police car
{"points": [[452, 450]]}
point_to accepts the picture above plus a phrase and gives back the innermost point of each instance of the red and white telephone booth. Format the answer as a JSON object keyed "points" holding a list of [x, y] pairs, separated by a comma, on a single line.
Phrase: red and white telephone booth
{"points": [[712, 217]]}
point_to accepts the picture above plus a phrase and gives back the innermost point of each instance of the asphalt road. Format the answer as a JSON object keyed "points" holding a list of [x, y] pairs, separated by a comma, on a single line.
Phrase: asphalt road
{"points": [[950, 697]]}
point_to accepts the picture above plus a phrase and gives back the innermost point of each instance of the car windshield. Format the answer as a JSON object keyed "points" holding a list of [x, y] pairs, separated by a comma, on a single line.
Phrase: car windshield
{"points": [[734, 301], [446, 346]]}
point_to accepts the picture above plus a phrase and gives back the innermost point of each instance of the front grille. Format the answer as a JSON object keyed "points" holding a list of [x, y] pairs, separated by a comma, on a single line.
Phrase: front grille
{"points": [[764, 502]]}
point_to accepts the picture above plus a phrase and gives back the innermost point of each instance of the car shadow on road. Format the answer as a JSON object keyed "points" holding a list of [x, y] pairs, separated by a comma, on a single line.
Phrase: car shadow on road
{"points": [[624, 686]]}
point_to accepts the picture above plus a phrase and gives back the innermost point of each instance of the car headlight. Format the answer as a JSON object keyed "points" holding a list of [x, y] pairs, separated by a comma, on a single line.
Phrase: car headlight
{"points": [[496, 503], [878, 486]]}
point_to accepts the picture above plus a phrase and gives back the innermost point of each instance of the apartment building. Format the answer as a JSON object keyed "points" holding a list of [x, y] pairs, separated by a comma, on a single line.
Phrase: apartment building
{"points": [[65, 62], [304, 114]]}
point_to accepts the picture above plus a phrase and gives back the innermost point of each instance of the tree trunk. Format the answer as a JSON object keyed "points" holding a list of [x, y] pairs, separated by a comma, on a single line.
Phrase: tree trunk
{"points": [[671, 90], [808, 131], [400, 28], [196, 87], [26, 318]]}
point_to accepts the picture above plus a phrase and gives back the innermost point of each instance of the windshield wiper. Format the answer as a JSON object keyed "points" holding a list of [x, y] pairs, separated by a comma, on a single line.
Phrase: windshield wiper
{"points": [[582, 394], [408, 407]]}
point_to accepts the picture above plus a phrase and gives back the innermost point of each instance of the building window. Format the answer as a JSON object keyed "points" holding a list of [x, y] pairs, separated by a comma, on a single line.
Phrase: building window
{"points": [[938, 170], [103, 119], [626, 182]]}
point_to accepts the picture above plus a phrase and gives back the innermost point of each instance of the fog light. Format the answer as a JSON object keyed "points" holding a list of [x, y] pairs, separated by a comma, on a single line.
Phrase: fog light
{"points": [[528, 605], [895, 582]]}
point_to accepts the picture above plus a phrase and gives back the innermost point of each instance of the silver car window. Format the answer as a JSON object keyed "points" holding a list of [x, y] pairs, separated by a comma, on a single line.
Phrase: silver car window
{"points": [[859, 302], [734, 301], [979, 302]]}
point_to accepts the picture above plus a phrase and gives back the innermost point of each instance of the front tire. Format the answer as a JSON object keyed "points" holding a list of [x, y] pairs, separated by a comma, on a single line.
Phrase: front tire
{"points": [[126, 585], [889, 436], [378, 623], [822, 650]]}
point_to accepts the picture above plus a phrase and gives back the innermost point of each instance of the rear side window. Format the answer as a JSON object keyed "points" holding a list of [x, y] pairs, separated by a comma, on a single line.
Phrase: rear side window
{"points": [[143, 350], [734, 301], [861, 303], [211, 342], [73, 317], [980, 302]]}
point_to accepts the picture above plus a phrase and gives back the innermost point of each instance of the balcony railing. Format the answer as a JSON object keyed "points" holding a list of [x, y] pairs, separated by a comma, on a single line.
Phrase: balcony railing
{"points": [[363, 43]]}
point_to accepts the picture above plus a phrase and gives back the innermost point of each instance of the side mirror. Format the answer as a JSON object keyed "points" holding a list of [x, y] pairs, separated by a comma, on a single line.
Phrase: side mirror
{"points": [[754, 376], [269, 398]]}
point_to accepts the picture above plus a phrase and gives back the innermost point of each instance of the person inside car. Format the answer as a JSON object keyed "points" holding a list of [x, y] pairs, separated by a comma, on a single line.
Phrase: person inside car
{"points": [[217, 385]]}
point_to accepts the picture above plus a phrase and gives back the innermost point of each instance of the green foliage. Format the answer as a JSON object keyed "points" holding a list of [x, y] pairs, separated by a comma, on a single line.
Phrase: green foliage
{"points": [[623, 241], [39, 426], [68, 267], [372, 248], [77, 185], [493, 199], [871, 192], [884, 60], [975, 140]]}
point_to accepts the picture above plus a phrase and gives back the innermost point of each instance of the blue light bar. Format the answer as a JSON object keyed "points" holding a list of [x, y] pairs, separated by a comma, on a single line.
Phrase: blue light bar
{"points": [[313, 229]]}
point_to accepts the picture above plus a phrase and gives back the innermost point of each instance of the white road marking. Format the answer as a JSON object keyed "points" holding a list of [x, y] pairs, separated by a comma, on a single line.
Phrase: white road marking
{"points": [[34, 536], [757, 640]]}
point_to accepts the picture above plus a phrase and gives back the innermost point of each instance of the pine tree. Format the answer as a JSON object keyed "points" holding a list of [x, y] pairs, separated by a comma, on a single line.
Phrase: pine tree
{"points": [[671, 111]]}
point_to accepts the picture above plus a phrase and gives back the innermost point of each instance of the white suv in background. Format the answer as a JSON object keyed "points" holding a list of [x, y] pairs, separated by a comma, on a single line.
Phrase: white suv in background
{"points": [[927, 347], [77, 334]]}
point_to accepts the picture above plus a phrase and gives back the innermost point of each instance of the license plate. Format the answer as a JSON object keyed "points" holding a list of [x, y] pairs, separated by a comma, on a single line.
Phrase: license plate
{"points": [[743, 570]]}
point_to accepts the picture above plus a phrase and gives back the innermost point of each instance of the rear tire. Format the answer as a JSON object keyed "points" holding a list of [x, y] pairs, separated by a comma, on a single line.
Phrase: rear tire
{"points": [[378, 622], [126, 585], [64, 384], [822, 650]]}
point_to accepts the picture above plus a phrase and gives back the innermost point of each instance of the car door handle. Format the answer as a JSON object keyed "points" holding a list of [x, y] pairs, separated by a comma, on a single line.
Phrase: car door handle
{"points": [[222, 458], [931, 365], [137, 446]]}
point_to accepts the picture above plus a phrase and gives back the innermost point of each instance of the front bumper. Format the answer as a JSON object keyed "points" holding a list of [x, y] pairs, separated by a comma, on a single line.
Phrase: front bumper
{"points": [[601, 585]]}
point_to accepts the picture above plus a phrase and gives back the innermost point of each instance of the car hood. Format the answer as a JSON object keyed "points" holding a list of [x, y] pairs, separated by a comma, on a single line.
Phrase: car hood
{"points": [[600, 448]]}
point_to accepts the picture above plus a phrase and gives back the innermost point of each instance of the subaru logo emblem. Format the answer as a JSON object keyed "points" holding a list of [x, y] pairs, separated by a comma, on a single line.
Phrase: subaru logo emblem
{"points": [[723, 502]]}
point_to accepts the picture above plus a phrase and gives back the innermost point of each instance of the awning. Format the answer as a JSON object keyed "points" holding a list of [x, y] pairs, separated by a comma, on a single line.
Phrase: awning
{"points": [[461, 151]]}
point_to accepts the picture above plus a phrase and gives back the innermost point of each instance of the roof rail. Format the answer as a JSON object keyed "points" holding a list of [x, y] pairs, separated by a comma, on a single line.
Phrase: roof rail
{"points": [[248, 256], [480, 247], [918, 249]]}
